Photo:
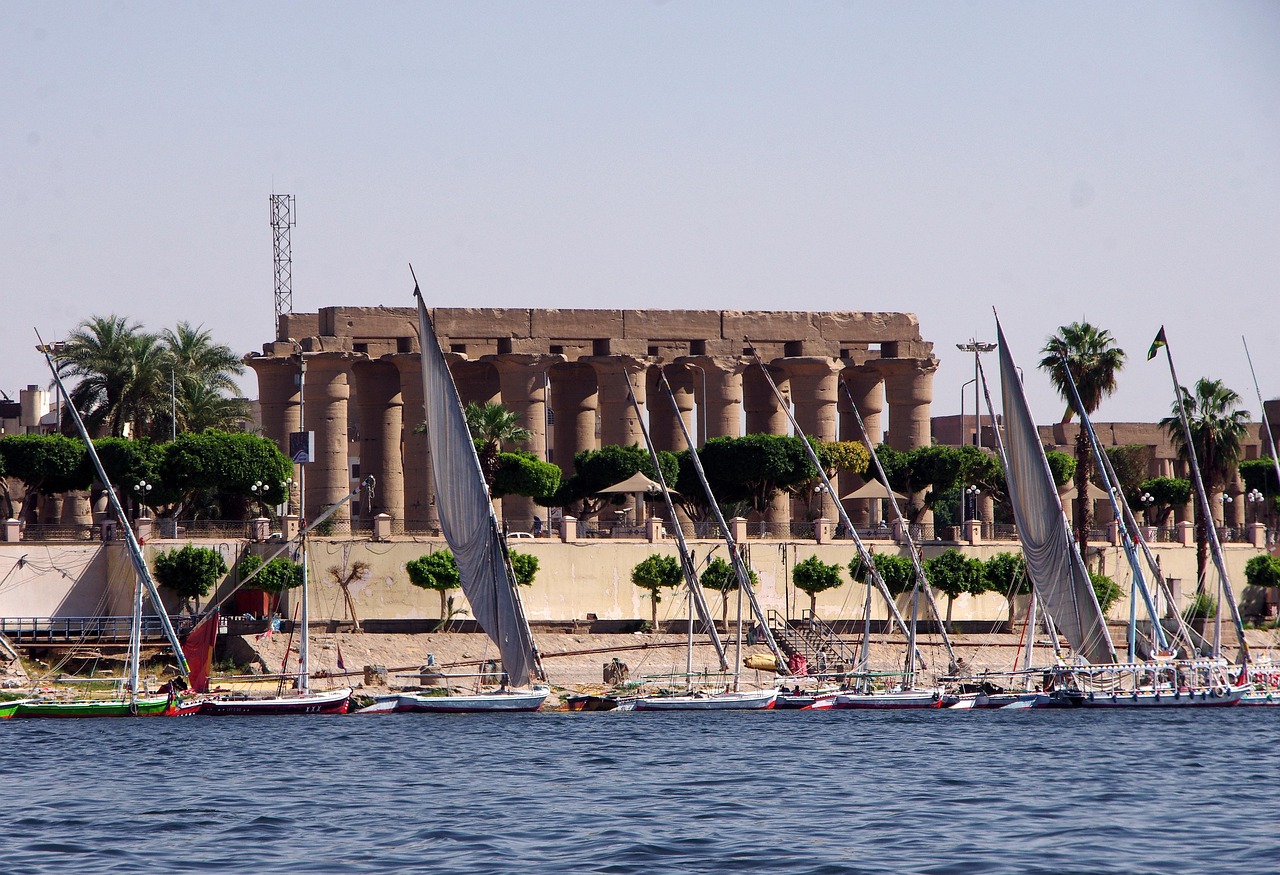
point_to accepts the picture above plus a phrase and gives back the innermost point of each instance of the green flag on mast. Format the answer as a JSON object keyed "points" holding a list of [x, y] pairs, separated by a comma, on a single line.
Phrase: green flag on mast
{"points": [[1156, 344]]}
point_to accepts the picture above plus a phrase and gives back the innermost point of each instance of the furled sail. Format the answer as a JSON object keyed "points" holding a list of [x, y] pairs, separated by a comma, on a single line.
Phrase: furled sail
{"points": [[466, 513], [1053, 560]]}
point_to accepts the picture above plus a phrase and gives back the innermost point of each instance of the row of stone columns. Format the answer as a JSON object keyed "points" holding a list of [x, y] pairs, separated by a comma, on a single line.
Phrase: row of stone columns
{"points": [[591, 404]]}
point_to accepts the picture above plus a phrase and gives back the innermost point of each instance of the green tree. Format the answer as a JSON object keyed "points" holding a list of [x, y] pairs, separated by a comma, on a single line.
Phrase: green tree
{"points": [[279, 574], [1217, 425], [1106, 589], [897, 572], [522, 473], [215, 470], [525, 566], [101, 352], [127, 463], [191, 571], [1092, 358], [45, 464], [655, 573], [1166, 493], [437, 570], [1006, 573], [1263, 570], [955, 574], [594, 470], [720, 577], [746, 470], [493, 426], [813, 576]]}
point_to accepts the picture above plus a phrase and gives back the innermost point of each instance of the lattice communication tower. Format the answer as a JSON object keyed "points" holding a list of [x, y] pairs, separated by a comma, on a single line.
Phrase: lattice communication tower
{"points": [[282, 219]]}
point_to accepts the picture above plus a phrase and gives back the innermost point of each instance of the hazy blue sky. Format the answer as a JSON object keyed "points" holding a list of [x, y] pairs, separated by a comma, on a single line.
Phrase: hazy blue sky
{"points": [[1118, 162]]}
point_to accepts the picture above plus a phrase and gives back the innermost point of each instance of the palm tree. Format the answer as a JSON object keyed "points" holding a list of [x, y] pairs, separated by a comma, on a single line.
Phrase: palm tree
{"points": [[197, 357], [1093, 359], [199, 407], [117, 366], [491, 426], [1217, 426]]}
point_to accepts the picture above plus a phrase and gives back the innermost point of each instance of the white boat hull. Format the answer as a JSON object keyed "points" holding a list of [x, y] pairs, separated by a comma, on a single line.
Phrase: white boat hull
{"points": [[530, 700], [741, 701], [897, 700]]}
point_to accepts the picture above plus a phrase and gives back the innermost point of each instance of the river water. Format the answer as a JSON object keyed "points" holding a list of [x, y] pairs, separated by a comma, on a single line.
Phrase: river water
{"points": [[795, 792]]}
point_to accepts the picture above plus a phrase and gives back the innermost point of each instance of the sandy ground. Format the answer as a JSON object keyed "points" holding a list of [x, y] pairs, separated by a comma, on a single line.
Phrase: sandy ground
{"points": [[575, 662]]}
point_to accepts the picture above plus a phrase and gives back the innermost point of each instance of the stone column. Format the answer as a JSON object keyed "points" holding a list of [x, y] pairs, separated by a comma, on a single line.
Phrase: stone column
{"points": [[278, 400], [722, 408], [866, 387], [476, 381], [813, 392], [664, 427], [618, 422], [419, 492], [573, 401], [908, 385], [381, 412], [522, 384], [325, 397]]}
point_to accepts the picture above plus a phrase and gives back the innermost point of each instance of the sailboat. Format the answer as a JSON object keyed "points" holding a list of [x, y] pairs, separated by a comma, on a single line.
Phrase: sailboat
{"points": [[131, 700], [734, 698], [905, 695], [474, 536], [1095, 678]]}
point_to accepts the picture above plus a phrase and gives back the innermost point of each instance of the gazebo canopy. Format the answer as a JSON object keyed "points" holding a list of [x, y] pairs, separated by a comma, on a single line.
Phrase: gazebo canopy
{"points": [[637, 482], [871, 490]]}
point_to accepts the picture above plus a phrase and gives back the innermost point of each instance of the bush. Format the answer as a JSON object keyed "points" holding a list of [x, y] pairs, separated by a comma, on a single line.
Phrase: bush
{"points": [[279, 575], [655, 573], [1106, 589], [814, 576], [192, 571], [955, 574], [1006, 573], [898, 572], [1202, 607], [525, 567], [1263, 570]]}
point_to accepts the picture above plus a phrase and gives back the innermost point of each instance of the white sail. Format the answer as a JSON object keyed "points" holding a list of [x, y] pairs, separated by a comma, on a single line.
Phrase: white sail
{"points": [[1053, 559], [466, 513]]}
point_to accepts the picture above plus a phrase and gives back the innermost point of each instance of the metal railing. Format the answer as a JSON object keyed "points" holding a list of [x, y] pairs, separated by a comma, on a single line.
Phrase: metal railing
{"points": [[55, 630]]}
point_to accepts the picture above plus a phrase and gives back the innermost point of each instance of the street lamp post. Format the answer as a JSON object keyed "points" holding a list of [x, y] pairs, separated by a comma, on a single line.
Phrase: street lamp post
{"points": [[971, 494], [1147, 500], [1255, 499], [142, 487], [977, 347], [259, 490]]}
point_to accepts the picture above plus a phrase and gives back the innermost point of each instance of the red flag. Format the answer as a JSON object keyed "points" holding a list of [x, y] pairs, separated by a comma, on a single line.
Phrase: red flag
{"points": [[341, 665]]}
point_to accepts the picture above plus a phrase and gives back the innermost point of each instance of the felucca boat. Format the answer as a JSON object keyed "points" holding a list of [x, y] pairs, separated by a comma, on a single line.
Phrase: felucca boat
{"points": [[472, 531]]}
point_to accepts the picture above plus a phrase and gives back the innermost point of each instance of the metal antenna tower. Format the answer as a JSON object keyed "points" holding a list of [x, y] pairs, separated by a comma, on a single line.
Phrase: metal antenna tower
{"points": [[282, 219]]}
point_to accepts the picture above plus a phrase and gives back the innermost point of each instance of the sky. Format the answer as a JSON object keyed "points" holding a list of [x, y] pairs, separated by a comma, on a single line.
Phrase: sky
{"points": [[1112, 162]]}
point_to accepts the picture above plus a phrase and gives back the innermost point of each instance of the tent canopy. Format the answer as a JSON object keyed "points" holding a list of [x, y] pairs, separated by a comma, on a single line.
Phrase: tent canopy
{"points": [[871, 490], [637, 482]]}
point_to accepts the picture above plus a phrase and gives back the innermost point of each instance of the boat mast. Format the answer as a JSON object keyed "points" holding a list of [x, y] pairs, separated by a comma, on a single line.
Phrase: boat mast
{"points": [[1211, 531], [916, 565], [1113, 494], [735, 555], [304, 620], [131, 540], [1262, 413], [699, 599], [863, 553]]}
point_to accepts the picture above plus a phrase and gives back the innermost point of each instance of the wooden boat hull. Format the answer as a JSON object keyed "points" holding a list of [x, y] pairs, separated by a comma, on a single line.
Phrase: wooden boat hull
{"points": [[894, 701], [590, 703], [749, 701], [472, 703], [331, 702], [149, 706], [1161, 699]]}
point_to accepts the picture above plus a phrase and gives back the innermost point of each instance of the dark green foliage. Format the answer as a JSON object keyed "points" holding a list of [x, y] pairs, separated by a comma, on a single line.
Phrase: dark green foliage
{"points": [[1260, 474], [898, 572], [525, 567], [599, 469], [1006, 573], [1202, 607], [746, 470], [1130, 464], [217, 467], [813, 576], [1263, 570], [523, 473], [1061, 466], [46, 464], [719, 576], [279, 574], [1106, 589], [191, 571], [655, 573], [954, 573], [437, 570], [1168, 492]]}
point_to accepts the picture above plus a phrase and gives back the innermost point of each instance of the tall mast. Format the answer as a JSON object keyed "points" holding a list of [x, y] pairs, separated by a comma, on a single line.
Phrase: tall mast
{"points": [[694, 586], [1211, 531], [1262, 413], [735, 555]]}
